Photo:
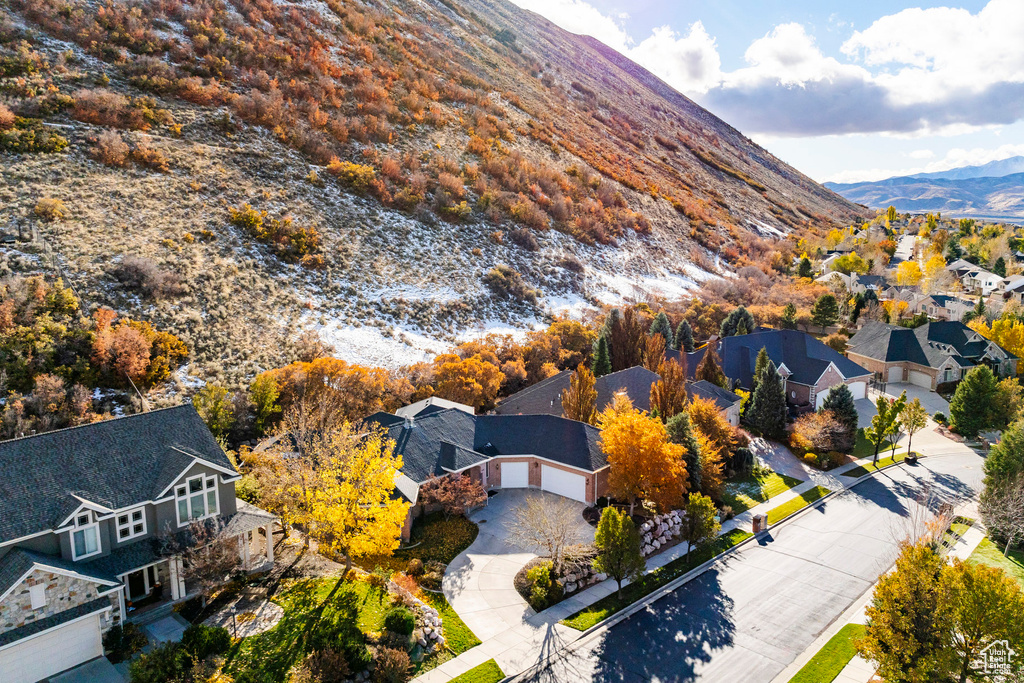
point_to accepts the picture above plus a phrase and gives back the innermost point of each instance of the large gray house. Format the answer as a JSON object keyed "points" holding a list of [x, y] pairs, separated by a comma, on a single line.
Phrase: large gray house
{"points": [[82, 511]]}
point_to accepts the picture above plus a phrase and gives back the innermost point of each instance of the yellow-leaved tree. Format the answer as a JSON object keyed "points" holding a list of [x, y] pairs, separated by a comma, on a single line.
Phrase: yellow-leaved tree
{"points": [[1006, 332], [645, 465], [908, 274], [353, 513], [935, 274]]}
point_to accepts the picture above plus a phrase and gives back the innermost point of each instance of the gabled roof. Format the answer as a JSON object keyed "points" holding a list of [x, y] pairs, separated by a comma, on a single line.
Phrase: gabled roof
{"points": [[804, 356], [872, 280], [547, 436], [430, 405], [545, 397], [116, 464], [19, 562], [722, 398], [929, 345]]}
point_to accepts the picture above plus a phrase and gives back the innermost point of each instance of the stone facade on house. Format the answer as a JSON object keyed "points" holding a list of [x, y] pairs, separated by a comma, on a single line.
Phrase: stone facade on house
{"points": [[61, 592]]}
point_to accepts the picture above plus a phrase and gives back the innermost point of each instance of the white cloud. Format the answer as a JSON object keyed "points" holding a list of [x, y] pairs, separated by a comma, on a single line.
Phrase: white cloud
{"points": [[581, 17], [921, 154], [689, 63]]}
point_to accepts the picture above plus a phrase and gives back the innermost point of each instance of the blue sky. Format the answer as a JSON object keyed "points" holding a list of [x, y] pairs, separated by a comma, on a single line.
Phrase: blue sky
{"points": [[842, 90]]}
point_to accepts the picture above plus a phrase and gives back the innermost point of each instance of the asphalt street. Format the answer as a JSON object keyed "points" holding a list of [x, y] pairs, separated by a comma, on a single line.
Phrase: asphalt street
{"points": [[750, 615]]}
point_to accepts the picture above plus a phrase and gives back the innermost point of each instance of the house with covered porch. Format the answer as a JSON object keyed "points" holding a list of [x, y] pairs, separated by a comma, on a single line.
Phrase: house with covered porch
{"points": [[85, 513]]}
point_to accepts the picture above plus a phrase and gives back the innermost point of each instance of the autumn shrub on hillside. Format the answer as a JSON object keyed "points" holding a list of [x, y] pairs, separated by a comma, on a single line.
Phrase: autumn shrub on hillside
{"points": [[289, 241], [506, 282], [143, 275], [29, 136], [110, 149]]}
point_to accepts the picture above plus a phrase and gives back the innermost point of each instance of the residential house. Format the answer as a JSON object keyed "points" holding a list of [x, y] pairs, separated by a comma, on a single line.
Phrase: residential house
{"points": [[941, 306], [545, 397], [809, 367], [83, 512], [929, 355], [544, 452], [827, 264], [1012, 289], [960, 267], [980, 281], [854, 282]]}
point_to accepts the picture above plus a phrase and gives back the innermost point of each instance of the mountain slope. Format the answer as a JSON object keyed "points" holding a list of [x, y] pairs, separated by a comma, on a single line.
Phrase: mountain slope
{"points": [[993, 169], [982, 197], [399, 150]]}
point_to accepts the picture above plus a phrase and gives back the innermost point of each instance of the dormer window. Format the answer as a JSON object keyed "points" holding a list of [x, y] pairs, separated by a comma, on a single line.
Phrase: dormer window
{"points": [[131, 524], [197, 498], [85, 537]]}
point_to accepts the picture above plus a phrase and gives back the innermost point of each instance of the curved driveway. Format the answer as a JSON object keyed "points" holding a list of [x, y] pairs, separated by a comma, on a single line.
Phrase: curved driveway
{"points": [[749, 616]]}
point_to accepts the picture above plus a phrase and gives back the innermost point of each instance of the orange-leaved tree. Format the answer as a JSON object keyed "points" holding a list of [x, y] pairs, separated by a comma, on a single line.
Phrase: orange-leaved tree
{"points": [[579, 401], [668, 394], [645, 465]]}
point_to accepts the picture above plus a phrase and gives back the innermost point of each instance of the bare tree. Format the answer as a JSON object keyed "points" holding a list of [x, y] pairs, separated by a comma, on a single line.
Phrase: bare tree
{"points": [[209, 555], [553, 525], [1002, 509]]}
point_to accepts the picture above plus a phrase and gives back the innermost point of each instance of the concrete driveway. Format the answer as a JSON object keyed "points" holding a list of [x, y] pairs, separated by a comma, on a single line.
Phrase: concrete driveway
{"points": [[480, 582], [931, 401]]}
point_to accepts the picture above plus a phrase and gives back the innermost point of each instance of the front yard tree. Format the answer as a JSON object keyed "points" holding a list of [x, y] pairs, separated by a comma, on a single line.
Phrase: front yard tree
{"points": [[680, 431], [979, 605], [1005, 460], [662, 326], [710, 368], [841, 402], [914, 418], [353, 513], [699, 523], [548, 524], [973, 405], [684, 337], [644, 464], [579, 401], [456, 494], [759, 365], [208, 555], [213, 403], [825, 311], [883, 422], [903, 639], [1002, 509], [668, 394], [716, 442], [618, 547], [896, 409], [738, 319], [767, 412], [602, 364]]}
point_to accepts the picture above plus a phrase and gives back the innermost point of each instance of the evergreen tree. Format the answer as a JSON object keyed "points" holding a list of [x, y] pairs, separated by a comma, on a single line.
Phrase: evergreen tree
{"points": [[840, 401], [602, 364], [789, 317], [805, 269], [999, 267], [684, 337], [767, 412], [858, 305], [1005, 461], [618, 547], [680, 431], [825, 311], [974, 404], [732, 324], [710, 368], [662, 326], [759, 366], [953, 250]]}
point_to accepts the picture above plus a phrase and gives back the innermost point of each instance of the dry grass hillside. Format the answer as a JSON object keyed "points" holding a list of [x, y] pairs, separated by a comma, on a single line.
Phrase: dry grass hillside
{"points": [[363, 169]]}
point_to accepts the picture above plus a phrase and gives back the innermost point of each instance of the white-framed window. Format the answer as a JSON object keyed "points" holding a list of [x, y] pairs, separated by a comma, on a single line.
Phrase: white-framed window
{"points": [[197, 498], [37, 594], [131, 524], [85, 537]]}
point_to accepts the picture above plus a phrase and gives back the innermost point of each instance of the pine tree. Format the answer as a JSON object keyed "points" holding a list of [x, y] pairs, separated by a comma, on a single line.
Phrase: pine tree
{"points": [[825, 311], [805, 269], [602, 364], [680, 431], [618, 547], [973, 406], [684, 337], [738, 318], [999, 267], [759, 366], [662, 326], [789, 317], [840, 401], [767, 412], [710, 369]]}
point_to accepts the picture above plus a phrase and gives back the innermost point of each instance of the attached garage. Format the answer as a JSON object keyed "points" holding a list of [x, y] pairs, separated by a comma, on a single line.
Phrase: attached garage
{"points": [[921, 379], [37, 657], [515, 475], [859, 389], [895, 375], [567, 484]]}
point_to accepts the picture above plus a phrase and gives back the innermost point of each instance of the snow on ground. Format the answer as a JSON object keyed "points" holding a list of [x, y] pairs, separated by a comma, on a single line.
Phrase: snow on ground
{"points": [[617, 289], [568, 305], [373, 346]]}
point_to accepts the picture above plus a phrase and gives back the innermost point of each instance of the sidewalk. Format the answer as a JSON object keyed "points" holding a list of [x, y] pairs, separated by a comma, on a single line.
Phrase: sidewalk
{"points": [[515, 648], [860, 670]]}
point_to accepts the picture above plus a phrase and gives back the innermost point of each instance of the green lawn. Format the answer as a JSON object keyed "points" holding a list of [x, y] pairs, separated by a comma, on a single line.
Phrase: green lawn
{"points": [[609, 605], [960, 525], [456, 633], [991, 554], [779, 513], [832, 658], [743, 493], [488, 672], [869, 467], [863, 448], [433, 538]]}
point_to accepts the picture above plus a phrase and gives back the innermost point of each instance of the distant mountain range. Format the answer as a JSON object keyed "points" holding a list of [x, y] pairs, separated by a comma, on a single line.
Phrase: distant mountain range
{"points": [[994, 190]]}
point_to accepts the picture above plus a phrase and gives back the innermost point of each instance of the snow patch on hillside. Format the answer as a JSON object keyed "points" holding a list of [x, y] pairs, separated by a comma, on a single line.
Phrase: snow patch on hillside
{"points": [[372, 346]]}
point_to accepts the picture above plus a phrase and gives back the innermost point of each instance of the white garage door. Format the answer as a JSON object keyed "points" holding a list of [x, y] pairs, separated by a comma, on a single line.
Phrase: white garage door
{"points": [[859, 390], [895, 375], [515, 475], [58, 650], [563, 483], [819, 400], [921, 379]]}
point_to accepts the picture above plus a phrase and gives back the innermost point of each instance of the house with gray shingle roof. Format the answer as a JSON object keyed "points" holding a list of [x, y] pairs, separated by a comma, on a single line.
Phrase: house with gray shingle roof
{"points": [[929, 355], [83, 512]]}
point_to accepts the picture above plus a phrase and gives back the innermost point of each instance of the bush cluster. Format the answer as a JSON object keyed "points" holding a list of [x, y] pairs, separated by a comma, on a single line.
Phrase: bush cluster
{"points": [[289, 241]]}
